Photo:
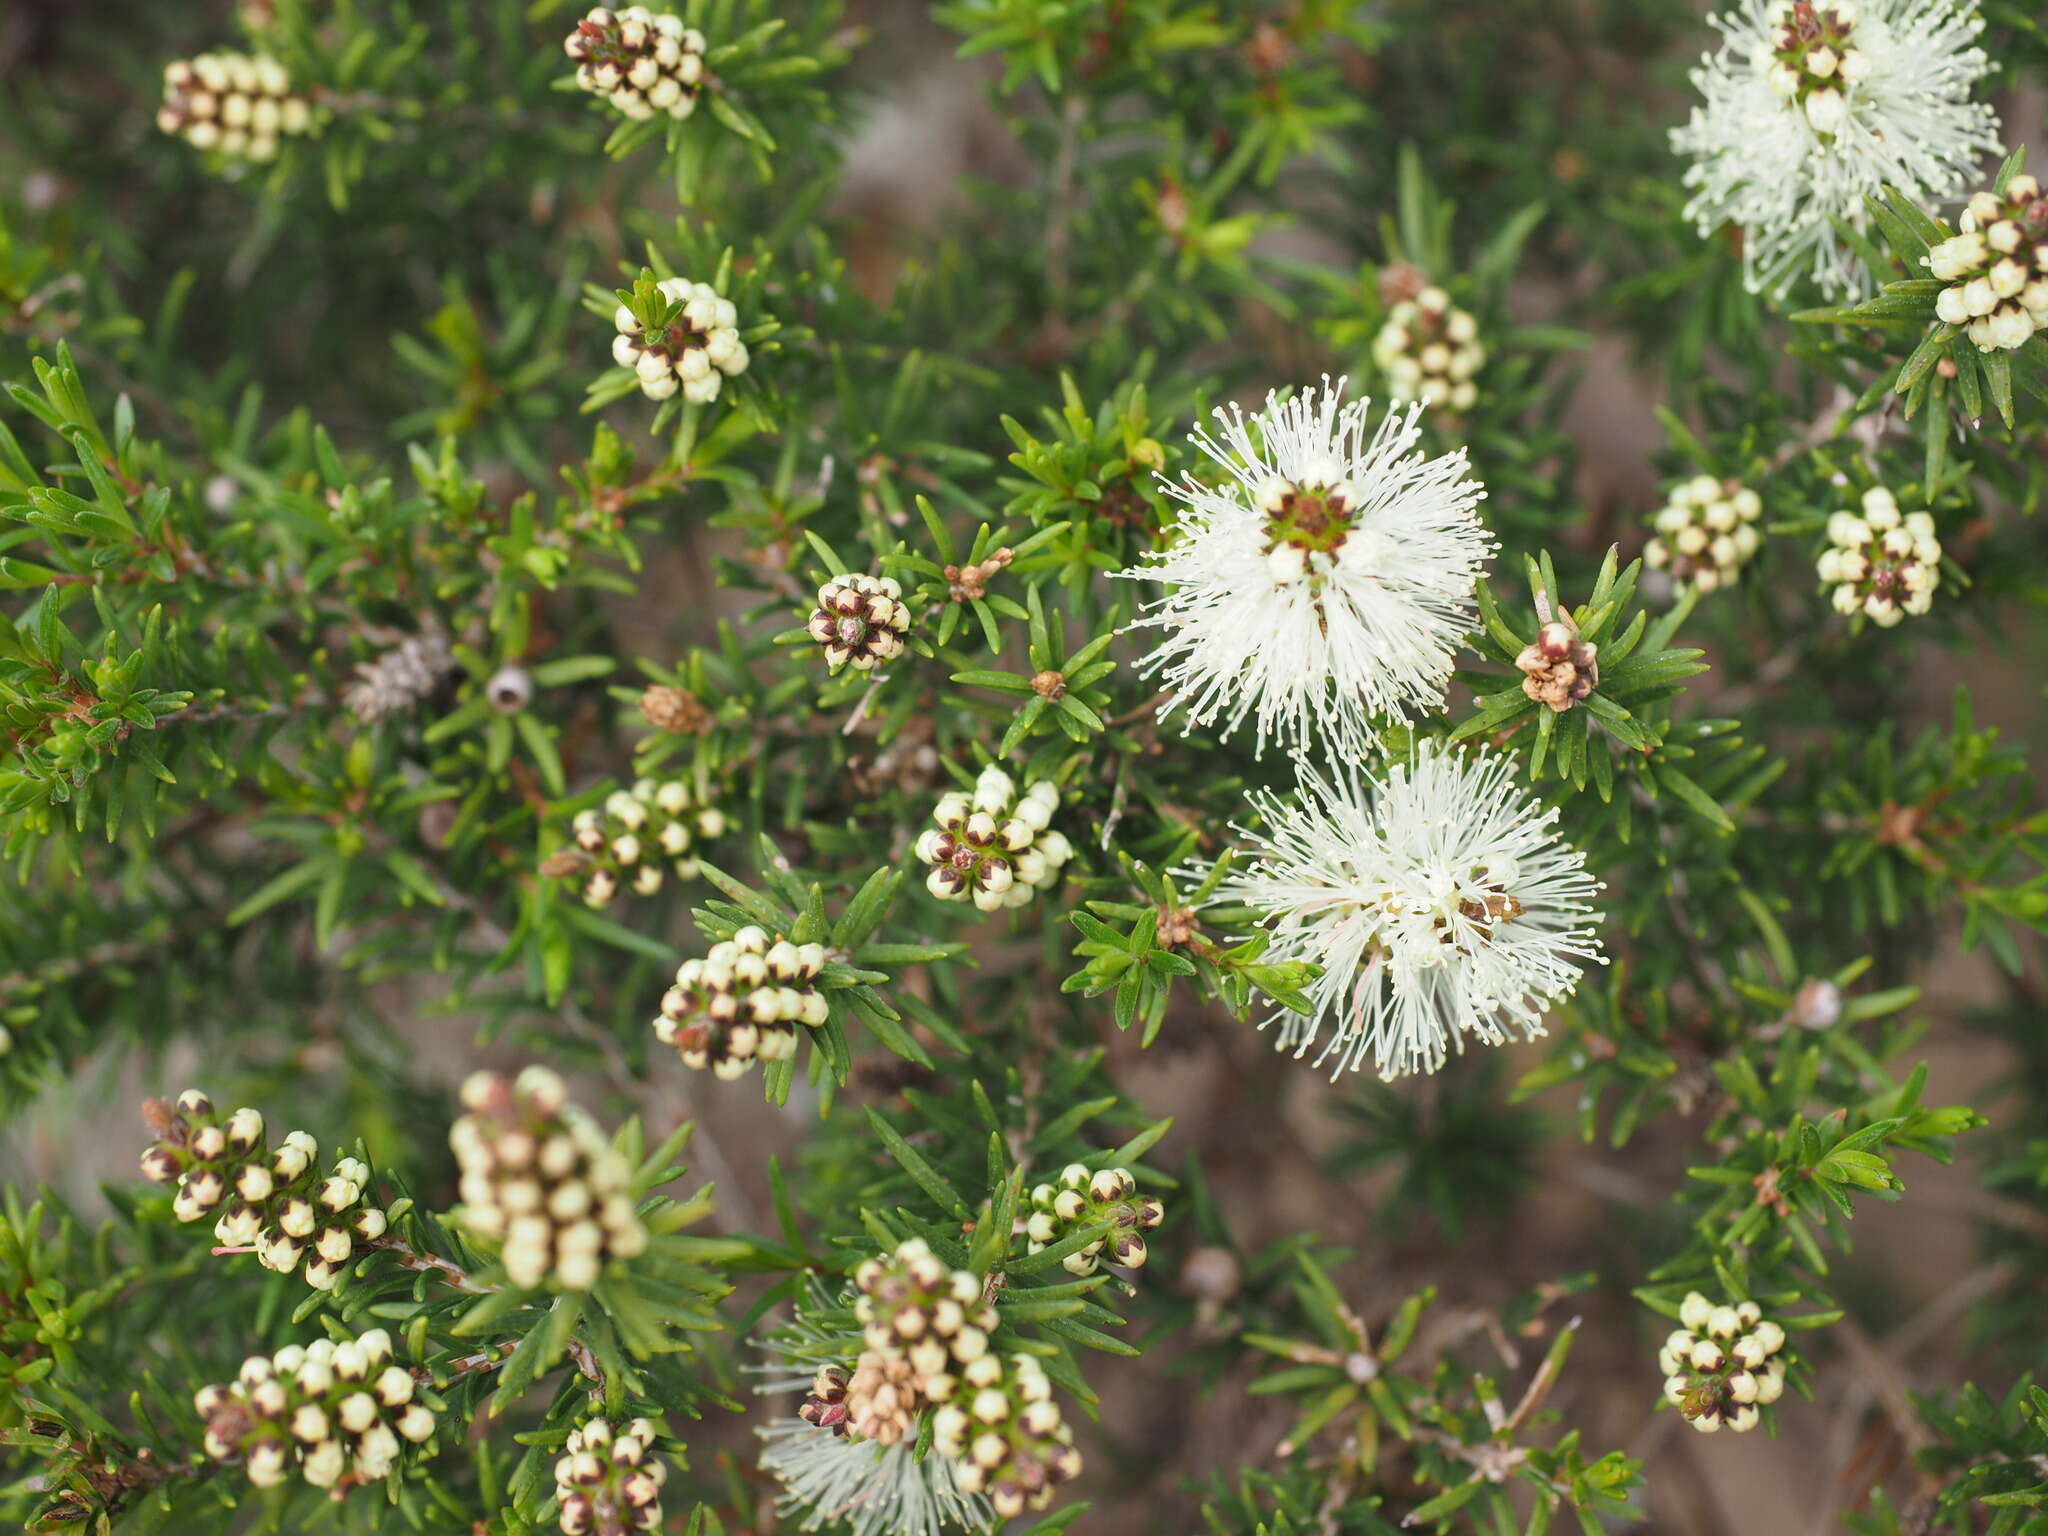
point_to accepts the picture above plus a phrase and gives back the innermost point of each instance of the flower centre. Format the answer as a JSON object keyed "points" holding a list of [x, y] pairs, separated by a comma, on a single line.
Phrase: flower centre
{"points": [[1811, 60], [1307, 523], [1481, 899]]}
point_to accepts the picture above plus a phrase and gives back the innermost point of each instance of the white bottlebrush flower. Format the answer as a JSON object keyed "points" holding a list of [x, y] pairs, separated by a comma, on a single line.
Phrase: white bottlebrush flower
{"points": [[1328, 578], [871, 1489], [1439, 902], [1810, 107]]}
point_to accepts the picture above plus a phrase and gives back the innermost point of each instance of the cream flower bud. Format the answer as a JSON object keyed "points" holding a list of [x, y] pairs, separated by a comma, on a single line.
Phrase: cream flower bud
{"points": [[1826, 111]]}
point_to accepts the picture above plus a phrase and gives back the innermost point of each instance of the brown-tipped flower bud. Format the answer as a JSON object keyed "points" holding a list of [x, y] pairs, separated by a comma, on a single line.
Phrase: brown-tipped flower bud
{"points": [[240, 106], [645, 65], [301, 1408], [860, 622], [742, 1001], [539, 1179], [1722, 1363], [616, 843], [1428, 349], [269, 1194], [1085, 1199], [608, 1480], [995, 846], [1009, 1441]]}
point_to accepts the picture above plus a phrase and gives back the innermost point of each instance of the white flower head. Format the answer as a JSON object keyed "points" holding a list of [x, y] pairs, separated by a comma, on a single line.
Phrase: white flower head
{"points": [[1810, 107], [1439, 902], [873, 1490], [1327, 580], [833, 1479]]}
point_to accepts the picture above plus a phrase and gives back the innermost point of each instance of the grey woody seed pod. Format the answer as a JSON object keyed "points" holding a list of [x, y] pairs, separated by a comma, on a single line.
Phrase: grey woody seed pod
{"points": [[401, 678]]}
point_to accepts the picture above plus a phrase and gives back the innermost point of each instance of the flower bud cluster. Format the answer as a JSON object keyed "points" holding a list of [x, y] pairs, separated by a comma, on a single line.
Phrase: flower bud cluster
{"points": [[539, 1179], [922, 1324], [1706, 532], [694, 352], [1723, 1364], [1084, 1199], [232, 102], [1558, 668], [741, 1001], [1428, 349], [335, 1411], [1881, 564], [915, 1310], [1006, 1436], [1997, 268], [623, 842], [993, 846], [1812, 61], [860, 621], [274, 1201], [608, 1479], [643, 64]]}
